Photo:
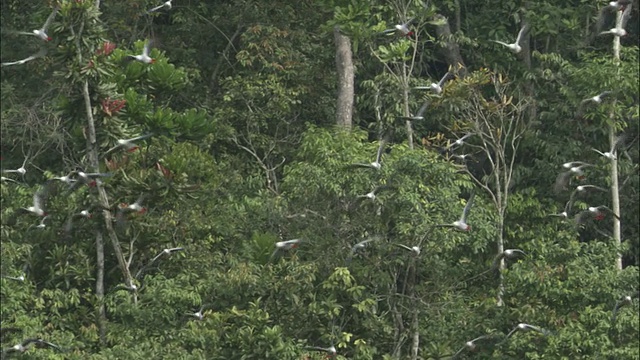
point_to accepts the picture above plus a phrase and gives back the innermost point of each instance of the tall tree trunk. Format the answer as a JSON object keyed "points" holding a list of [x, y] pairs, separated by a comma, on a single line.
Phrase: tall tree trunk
{"points": [[415, 345], [102, 317], [405, 105], [344, 67], [615, 189], [451, 51], [102, 194], [500, 300]]}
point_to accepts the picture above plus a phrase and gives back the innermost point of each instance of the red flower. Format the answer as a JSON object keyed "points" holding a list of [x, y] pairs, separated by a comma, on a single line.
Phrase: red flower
{"points": [[106, 49], [111, 107]]}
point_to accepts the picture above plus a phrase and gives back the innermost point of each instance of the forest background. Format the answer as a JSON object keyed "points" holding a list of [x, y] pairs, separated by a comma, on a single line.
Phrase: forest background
{"points": [[257, 110]]}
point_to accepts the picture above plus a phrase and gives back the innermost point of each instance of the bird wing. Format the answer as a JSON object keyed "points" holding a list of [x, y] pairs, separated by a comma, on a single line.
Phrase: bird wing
{"points": [[444, 225], [602, 18], [355, 247], [520, 33], [603, 207], [625, 16], [496, 260], [404, 247], [142, 137], [273, 254], [50, 19], [562, 180], [500, 42], [317, 348], [32, 57], [383, 143], [51, 345], [147, 48], [96, 175], [112, 149], [39, 197], [444, 79], [156, 8], [465, 137], [465, 211], [422, 109]]}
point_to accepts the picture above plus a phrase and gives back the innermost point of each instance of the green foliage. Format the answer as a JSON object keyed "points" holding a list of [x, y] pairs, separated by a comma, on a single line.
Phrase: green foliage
{"points": [[240, 102]]}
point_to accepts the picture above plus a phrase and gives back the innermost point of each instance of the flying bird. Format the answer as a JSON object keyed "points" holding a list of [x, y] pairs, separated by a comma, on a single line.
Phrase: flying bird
{"points": [[133, 288], [597, 99], [570, 164], [620, 31], [42, 225], [331, 350], [65, 179], [436, 87], [86, 214], [401, 29], [167, 251], [359, 246], [128, 144], [3, 179], [21, 170], [26, 344], [420, 114], [198, 315], [42, 32], [144, 57], [39, 54], [562, 180], [378, 163], [124, 209], [526, 327], [16, 278], [459, 142], [582, 189], [462, 223], [507, 254], [164, 252], [611, 8], [471, 345], [515, 47], [611, 154], [414, 249], [373, 193], [285, 246], [166, 4], [565, 213], [624, 301], [89, 179], [38, 201], [135, 207], [595, 213]]}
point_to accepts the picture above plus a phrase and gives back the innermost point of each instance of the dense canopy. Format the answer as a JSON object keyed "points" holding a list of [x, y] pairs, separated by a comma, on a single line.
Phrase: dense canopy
{"points": [[340, 179]]}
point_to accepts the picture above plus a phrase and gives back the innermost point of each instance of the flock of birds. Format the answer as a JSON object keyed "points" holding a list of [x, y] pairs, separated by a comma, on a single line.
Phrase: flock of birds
{"points": [[75, 179]]}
